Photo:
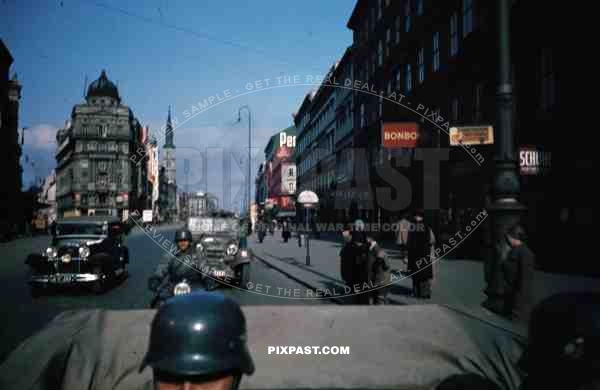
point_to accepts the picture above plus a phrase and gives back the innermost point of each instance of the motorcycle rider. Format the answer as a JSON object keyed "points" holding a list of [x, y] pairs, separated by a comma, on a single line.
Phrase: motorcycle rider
{"points": [[184, 264], [198, 341]]}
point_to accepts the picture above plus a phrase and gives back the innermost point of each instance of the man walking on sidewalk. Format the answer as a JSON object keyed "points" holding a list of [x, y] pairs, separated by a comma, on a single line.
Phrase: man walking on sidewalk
{"points": [[358, 255], [403, 227], [519, 272], [420, 244]]}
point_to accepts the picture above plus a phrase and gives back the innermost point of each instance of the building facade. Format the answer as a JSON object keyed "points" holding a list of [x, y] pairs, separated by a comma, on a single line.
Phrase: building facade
{"points": [[11, 218], [47, 196], [437, 64], [94, 172], [153, 171]]}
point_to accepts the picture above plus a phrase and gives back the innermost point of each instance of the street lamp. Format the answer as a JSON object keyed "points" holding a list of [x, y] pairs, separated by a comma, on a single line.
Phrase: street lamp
{"points": [[506, 209], [247, 108]]}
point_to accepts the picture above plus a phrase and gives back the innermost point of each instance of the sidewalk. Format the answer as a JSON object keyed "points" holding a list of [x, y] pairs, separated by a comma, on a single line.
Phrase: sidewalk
{"points": [[459, 283]]}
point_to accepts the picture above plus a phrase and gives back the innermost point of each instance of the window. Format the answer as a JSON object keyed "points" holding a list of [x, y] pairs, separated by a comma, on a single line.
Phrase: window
{"points": [[547, 80], [436, 51], [456, 109], [408, 78], [387, 3], [380, 54], [407, 16], [477, 96], [380, 106], [92, 146], [389, 88], [379, 8], [421, 64], [362, 115], [453, 34], [84, 164], [388, 41], [419, 7], [467, 16], [397, 29]]}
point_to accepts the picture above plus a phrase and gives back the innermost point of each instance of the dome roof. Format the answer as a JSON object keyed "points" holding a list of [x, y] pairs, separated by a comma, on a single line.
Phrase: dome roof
{"points": [[103, 87]]}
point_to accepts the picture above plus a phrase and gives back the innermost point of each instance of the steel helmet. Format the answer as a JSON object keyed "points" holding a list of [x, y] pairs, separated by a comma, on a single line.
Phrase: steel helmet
{"points": [[199, 334], [183, 235]]}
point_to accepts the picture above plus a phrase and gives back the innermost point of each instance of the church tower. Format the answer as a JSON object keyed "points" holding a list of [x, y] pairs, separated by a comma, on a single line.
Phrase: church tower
{"points": [[170, 173]]}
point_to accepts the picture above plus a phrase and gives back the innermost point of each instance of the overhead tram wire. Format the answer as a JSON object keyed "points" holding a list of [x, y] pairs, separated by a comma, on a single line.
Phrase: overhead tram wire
{"points": [[184, 30]]}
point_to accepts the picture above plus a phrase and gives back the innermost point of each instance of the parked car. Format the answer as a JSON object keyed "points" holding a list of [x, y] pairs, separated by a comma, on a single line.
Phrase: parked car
{"points": [[84, 250], [218, 237]]}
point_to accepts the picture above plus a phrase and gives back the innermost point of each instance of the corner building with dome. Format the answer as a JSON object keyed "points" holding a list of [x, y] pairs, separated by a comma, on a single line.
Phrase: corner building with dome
{"points": [[95, 172]]}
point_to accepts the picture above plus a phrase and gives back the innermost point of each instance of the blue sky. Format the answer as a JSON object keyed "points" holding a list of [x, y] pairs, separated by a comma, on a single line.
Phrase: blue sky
{"points": [[170, 52]]}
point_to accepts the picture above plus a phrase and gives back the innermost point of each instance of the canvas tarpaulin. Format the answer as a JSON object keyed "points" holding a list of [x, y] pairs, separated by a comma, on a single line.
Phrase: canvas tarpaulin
{"points": [[402, 347]]}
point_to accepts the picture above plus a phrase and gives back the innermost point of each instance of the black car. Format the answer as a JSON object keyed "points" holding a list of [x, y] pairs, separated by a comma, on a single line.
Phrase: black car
{"points": [[220, 239], [84, 250]]}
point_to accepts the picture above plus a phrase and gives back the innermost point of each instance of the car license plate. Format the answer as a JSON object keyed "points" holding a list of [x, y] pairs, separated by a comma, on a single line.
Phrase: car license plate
{"points": [[220, 274], [63, 278]]}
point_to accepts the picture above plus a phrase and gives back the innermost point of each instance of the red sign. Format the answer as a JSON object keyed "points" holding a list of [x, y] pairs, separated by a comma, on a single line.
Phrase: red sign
{"points": [[399, 134]]}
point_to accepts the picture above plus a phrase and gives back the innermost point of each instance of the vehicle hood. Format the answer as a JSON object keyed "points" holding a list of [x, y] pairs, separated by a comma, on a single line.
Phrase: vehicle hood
{"points": [[218, 241]]}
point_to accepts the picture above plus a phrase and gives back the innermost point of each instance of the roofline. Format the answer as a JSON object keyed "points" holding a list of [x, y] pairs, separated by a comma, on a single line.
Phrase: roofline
{"points": [[358, 8], [4, 50]]}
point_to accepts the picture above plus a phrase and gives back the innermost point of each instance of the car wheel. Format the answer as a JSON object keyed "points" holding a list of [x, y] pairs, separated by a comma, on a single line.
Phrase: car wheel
{"points": [[244, 272]]}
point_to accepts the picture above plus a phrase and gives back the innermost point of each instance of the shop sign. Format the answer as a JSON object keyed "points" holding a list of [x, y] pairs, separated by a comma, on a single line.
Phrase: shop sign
{"points": [[399, 134], [471, 135], [534, 160]]}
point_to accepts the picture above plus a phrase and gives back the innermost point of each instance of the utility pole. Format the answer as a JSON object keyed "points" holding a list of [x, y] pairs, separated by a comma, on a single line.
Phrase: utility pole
{"points": [[248, 183]]}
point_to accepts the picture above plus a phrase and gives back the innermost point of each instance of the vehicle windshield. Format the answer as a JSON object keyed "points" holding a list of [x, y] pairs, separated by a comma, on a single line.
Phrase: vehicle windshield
{"points": [[77, 229], [215, 225]]}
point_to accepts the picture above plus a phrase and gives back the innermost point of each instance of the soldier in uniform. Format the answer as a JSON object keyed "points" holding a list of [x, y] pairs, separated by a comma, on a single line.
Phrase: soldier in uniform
{"points": [[173, 267], [198, 341]]}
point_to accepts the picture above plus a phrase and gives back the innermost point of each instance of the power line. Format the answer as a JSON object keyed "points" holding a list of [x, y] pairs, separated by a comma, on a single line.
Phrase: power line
{"points": [[185, 30]]}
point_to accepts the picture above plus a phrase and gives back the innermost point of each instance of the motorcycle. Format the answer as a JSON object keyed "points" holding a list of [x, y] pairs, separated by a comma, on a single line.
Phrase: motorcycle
{"points": [[167, 291]]}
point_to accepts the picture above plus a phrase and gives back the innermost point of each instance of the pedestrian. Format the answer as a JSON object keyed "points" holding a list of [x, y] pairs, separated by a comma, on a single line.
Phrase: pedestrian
{"points": [[518, 272], [420, 245], [346, 259], [379, 275], [359, 257], [403, 227], [53, 228], [285, 231]]}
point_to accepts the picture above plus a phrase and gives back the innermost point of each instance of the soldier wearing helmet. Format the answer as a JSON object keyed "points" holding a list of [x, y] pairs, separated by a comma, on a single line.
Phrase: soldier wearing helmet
{"points": [[198, 341], [182, 264]]}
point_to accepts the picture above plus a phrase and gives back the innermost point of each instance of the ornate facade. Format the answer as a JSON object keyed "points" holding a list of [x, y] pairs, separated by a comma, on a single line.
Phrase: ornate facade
{"points": [[95, 173]]}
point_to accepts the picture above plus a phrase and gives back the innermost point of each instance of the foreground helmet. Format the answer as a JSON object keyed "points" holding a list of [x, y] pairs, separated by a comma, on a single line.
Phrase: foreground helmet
{"points": [[199, 334], [183, 235]]}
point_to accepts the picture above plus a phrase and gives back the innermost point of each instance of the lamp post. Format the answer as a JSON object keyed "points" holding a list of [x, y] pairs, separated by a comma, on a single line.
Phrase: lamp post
{"points": [[249, 151], [505, 209]]}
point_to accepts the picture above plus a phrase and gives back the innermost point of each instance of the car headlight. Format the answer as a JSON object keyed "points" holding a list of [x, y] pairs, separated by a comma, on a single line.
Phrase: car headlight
{"points": [[51, 252], [232, 250], [244, 253], [182, 288], [66, 258], [84, 252]]}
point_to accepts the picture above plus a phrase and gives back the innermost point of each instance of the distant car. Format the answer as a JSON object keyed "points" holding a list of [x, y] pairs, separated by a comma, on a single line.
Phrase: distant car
{"points": [[218, 238], [84, 250]]}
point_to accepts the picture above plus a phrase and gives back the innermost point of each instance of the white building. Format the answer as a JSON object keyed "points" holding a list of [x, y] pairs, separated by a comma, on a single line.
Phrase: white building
{"points": [[48, 196]]}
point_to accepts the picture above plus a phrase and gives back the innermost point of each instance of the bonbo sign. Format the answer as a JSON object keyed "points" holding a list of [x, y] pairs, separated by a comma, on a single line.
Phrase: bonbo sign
{"points": [[400, 134]]}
